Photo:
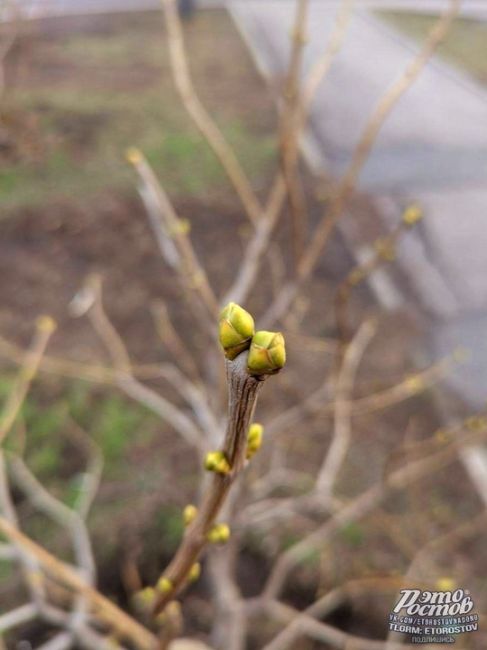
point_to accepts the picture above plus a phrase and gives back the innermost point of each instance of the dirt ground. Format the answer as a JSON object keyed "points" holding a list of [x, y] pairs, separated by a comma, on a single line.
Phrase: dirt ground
{"points": [[54, 232]]}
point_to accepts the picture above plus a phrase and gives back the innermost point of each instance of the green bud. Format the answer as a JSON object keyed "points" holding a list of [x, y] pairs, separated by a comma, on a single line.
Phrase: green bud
{"points": [[164, 585], [236, 330], [144, 598], [254, 439], [215, 461], [194, 572], [267, 354], [219, 534], [189, 514]]}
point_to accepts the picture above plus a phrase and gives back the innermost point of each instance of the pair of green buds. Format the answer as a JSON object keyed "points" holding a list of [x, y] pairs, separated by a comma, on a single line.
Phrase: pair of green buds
{"points": [[267, 352]]}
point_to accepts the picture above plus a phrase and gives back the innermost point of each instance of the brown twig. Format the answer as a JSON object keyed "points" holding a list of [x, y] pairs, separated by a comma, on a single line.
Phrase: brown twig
{"points": [[242, 393], [167, 225], [287, 128], [201, 117], [343, 410], [108, 611]]}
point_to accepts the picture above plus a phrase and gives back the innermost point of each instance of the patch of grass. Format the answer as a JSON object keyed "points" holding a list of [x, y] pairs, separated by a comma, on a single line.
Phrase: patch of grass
{"points": [[113, 93], [170, 527], [465, 45], [353, 534], [116, 424]]}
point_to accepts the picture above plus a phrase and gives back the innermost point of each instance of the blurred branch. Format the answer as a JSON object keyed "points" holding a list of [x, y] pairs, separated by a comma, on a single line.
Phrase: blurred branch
{"points": [[173, 342], [363, 504], [326, 604], [11, 25], [343, 409], [107, 611], [384, 251], [201, 117], [167, 225], [16, 617], [92, 475], [323, 632], [259, 242], [45, 328], [59, 512], [287, 127], [364, 146], [315, 404], [128, 383]]}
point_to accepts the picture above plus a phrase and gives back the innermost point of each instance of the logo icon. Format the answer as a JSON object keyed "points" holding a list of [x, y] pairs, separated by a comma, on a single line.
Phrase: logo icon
{"points": [[433, 616]]}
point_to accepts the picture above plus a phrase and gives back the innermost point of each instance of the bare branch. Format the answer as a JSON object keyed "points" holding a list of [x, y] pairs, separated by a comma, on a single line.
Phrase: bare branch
{"points": [[107, 611], [45, 327], [243, 389], [201, 117], [343, 410], [19, 616], [190, 271], [287, 127]]}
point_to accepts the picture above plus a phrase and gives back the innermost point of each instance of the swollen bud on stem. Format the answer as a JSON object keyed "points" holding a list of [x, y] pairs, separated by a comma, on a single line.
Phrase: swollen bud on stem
{"points": [[219, 534], [164, 585], [412, 215], [189, 514], [254, 439], [216, 461], [236, 330], [267, 354]]}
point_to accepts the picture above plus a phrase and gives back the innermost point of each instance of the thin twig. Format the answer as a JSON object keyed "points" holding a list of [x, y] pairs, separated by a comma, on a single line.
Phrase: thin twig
{"points": [[45, 328], [343, 410], [288, 126], [201, 117], [190, 271], [108, 611]]}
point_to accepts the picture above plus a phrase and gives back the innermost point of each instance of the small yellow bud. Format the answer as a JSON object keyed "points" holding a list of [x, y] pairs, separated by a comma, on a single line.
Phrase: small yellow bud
{"points": [[46, 324], [442, 435], [219, 534], [133, 155], [194, 572], [236, 329], [144, 598], [267, 354], [164, 585], [414, 384], [412, 214], [356, 276], [254, 439], [172, 612], [445, 584], [476, 423], [189, 514], [216, 461], [181, 226], [385, 249]]}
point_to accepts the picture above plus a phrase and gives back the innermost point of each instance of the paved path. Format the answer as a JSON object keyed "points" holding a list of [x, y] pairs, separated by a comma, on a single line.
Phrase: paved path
{"points": [[432, 149]]}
